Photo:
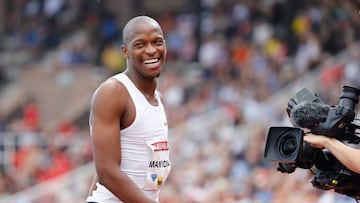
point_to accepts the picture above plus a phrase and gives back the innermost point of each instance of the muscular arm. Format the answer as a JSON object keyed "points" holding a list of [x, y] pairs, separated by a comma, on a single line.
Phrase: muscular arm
{"points": [[107, 109], [348, 156]]}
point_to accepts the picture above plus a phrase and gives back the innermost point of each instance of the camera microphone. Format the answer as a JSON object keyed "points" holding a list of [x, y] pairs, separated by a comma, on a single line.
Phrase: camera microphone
{"points": [[309, 114]]}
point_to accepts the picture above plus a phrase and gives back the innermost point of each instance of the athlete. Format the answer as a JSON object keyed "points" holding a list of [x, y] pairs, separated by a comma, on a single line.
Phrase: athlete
{"points": [[128, 125]]}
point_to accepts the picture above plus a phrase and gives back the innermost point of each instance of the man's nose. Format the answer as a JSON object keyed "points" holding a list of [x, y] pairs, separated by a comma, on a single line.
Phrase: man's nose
{"points": [[150, 49]]}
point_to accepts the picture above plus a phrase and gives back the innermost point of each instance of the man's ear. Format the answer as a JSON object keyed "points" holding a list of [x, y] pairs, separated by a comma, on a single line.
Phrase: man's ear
{"points": [[124, 51]]}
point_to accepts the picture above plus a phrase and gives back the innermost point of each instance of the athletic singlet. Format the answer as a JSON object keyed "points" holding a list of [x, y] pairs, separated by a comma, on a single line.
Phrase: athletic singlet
{"points": [[144, 147]]}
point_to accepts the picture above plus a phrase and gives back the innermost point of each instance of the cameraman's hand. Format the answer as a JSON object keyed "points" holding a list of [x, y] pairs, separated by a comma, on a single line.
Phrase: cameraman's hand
{"points": [[318, 141], [347, 155]]}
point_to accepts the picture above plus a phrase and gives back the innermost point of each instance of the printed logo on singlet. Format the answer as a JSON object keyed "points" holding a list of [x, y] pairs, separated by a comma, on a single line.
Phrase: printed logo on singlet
{"points": [[160, 146], [159, 180]]}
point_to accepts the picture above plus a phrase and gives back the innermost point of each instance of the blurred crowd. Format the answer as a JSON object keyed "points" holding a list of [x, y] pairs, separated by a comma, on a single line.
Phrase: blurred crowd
{"points": [[224, 64]]}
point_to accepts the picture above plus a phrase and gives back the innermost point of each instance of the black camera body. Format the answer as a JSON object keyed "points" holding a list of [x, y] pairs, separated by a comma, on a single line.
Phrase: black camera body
{"points": [[285, 145]]}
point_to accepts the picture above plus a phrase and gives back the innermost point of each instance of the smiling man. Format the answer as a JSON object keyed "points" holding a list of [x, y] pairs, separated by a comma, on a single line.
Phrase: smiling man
{"points": [[128, 124]]}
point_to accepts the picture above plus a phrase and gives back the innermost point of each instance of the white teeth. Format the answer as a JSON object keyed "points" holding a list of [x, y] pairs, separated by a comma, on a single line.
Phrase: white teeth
{"points": [[151, 61]]}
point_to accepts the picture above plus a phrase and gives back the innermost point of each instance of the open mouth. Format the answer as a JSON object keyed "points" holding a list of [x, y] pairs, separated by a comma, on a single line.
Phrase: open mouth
{"points": [[152, 61]]}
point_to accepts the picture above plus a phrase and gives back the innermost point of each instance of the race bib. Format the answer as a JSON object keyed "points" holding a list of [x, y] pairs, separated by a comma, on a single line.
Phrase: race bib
{"points": [[159, 166]]}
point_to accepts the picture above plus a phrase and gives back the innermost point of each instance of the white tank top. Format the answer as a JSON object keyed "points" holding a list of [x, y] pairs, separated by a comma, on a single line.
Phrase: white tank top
{"points": [[144, 147]]}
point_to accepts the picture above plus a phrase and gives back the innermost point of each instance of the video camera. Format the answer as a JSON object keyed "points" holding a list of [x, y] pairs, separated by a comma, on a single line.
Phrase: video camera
{"points": [[285, 145]]}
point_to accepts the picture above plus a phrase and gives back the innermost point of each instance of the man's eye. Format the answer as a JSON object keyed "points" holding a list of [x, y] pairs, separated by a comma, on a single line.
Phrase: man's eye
{"points": [[139, 45], [159, 42]]}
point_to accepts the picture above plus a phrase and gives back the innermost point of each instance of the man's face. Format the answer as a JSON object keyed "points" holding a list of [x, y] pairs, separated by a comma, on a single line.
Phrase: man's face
{"points": [[146, 50]]}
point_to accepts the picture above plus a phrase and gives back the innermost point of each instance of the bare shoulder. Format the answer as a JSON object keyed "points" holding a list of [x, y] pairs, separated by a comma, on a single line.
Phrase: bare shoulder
{"points": [[109, 95], [109, 87]]}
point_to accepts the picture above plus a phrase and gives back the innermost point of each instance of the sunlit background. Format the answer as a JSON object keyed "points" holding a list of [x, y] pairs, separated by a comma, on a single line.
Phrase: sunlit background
{"points": [[232, 66]]}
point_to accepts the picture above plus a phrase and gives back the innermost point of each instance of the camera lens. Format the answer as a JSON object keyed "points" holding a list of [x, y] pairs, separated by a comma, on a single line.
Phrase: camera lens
{"points": [[288, 146], [283, 144]]}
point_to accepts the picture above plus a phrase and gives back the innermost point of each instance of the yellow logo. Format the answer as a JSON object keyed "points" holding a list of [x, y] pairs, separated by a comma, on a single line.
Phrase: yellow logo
{"points": [[159, 182]]}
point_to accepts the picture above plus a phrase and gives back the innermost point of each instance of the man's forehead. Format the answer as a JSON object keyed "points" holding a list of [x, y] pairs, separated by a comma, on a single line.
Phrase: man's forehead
{"points": [[143, 25], [138, 25]]}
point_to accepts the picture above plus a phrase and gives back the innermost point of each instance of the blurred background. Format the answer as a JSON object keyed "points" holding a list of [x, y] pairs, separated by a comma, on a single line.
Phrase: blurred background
{"points": [[232, 67]]}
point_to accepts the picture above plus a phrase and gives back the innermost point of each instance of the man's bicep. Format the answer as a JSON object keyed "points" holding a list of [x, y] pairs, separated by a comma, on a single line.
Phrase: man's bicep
{"points": [[105, 128], [106, 143]]}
